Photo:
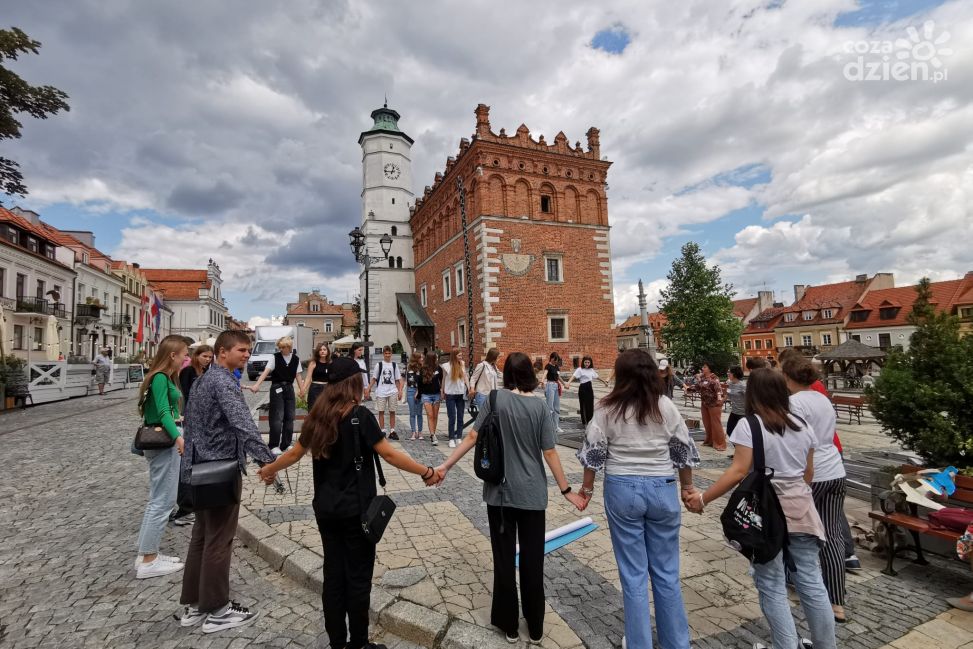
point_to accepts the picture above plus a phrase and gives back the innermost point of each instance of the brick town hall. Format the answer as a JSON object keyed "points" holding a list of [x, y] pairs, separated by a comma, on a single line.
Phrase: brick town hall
{"points": [[531, 271]]}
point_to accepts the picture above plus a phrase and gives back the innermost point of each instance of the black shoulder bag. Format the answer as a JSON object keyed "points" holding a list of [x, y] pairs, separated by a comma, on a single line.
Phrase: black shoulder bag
{"points": [[376, 515], [753, 521], [151, 436], [217, 483]]}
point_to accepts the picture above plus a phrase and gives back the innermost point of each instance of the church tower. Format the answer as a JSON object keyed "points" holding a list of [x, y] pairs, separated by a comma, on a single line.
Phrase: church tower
{"points": [[386, 197]]}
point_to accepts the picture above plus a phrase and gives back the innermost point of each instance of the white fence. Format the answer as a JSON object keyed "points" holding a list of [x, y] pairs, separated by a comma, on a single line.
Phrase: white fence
{"points": [[57, 380]]}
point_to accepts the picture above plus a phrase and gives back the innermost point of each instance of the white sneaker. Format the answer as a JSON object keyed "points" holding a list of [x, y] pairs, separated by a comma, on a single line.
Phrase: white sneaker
{"points": [[276, 452], [157, 568], [191, 616], [158, 557], [452, 443], [232, 616], [434, 442], [559, 430]]}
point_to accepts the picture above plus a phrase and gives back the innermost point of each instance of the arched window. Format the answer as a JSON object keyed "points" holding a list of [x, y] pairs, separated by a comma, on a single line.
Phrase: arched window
{"points": [[395, 230], [391, 262], [398, 262]]}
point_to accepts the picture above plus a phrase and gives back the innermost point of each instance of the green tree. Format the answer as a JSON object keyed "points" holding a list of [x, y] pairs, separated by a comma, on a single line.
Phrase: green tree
{"points": [[698, 306], [924, 396], [18, 96]]}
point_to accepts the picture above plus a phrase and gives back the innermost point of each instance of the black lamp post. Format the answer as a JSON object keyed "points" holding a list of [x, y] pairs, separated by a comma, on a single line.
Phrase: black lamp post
{"points": [[467, 269], [359, 248]]}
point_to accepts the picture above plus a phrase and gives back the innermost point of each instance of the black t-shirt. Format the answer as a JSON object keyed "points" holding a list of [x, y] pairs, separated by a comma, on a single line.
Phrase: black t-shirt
{"points": [[412, 379], [552, 372], [335, 479], [432, 387], [320, 372]]}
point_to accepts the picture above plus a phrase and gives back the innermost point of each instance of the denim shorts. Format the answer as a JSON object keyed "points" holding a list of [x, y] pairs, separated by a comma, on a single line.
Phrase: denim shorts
{"points": [[431, 398]]}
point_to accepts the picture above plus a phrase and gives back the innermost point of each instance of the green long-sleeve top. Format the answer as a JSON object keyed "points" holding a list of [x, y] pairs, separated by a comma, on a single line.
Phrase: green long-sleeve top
{"points": [[162, 404]]}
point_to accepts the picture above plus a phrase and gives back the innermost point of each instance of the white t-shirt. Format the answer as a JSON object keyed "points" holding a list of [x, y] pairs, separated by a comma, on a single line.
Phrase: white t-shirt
{"points": [[454, 387], [271, 364], [786, 454], [817, 411], [635, 449], [585, 375], [386, 375], [364, 371]]}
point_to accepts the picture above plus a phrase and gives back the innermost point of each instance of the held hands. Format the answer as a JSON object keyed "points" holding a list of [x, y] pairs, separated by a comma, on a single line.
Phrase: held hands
{"points": [[437, 476], [577, 500], [266, 475], [692, 498]]}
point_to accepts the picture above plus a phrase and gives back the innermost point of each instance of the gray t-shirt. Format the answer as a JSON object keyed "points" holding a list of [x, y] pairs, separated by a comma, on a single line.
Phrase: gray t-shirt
{"points": [[527, 430]]}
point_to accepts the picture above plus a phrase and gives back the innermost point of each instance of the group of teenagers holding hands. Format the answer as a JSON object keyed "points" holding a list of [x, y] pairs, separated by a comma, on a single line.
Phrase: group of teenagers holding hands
{"points": [[635, 435]]}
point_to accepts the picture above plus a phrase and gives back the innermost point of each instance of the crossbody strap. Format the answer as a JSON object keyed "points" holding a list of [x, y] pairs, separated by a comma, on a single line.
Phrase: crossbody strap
{"points": [[756, 434], [360, 460]]}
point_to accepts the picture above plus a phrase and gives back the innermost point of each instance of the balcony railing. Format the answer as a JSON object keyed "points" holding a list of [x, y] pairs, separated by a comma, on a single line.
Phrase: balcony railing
{"points": [[120, 321], [8, 303], [32, 305], [87, 311]]}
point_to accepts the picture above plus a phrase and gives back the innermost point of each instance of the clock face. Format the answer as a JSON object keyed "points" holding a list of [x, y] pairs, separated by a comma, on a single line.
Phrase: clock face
{"points": [[392, 171]]}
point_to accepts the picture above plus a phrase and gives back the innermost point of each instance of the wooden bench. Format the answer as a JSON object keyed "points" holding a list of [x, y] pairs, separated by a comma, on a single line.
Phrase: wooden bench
{"points": [[689, 396], [963, 497], [853, 406]]}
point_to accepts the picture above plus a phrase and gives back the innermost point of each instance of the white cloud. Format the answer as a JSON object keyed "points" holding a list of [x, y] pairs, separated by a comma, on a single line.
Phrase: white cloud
{"points": [[627, 298]]}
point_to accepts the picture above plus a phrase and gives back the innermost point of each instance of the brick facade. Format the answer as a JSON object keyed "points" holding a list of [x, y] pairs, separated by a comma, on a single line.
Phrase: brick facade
{"points": [[527, 202]]}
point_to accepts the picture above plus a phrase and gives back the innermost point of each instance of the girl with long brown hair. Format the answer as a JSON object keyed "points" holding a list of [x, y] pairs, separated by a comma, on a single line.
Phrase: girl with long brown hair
{"points": [[411, 394], [317, 373], [200, 361], [789, 445], [340, 462], [429, 392], [640, 439], [160, 402]]}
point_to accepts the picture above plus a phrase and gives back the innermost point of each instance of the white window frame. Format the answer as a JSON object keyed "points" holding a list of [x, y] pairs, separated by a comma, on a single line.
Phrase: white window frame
{"points": [[790, 317], [827, 314], [788, 341], [460, 279], [461, 332], [808, 315], [560, 270], [807, 340], [826, 339], [315, 307], [423, 296], [447, 284], [550, 333], [328, 326], [452, 338]]}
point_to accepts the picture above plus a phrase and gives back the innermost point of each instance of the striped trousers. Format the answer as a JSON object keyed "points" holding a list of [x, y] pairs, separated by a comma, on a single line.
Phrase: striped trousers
{"points": [[829, 500]]}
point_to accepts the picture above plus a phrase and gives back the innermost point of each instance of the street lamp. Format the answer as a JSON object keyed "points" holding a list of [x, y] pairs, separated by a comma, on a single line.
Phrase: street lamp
{"points": [[359, 248]]}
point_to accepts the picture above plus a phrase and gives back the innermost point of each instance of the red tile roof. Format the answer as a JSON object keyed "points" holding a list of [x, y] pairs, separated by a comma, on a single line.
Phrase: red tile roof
{"points": [[177, 283], [901, 298], [742, 308], [768, 318], [631, 322], [840, 297], [6, 216]]}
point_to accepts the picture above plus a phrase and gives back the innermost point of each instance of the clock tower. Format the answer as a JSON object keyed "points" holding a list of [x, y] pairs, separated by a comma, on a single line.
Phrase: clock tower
{"points": [[386, 197]]}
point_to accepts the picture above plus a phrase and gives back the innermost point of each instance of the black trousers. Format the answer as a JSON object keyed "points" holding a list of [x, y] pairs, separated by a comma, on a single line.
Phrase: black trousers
{"points": [[586, 399], [313, 393], [282, 405], [528, 525], [349, 560]]}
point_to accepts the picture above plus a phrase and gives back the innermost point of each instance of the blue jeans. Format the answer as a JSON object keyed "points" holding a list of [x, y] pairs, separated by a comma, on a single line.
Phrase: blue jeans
{"points": [[644, 514], [553, 402], [454, 413], [769, 579], [163, 486], [479, 399], [415, 411]]}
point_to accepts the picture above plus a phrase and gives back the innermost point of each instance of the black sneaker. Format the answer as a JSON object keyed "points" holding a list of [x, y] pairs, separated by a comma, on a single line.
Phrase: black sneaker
{"points": [[852, 564], [394, 435], [233, 615]]}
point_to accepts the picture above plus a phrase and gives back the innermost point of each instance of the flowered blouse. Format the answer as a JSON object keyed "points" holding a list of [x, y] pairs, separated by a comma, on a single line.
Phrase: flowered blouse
{"points": [[710, 391]]}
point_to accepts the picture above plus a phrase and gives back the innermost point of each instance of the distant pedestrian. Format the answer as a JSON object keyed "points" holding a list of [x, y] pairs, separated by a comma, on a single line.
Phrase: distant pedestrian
{"points": [[485, 377], [284, 369], [736, 394], [711, 407], [317, 373], [828, 485], [412, 395], [755, 363], [429, 392], [789, 450], [553, 384], [357, 350], [344, 483], [455, 386], [640, 439], [386, 385], [516, 508], [102, 365], [586, 375], [159, 404], [219, 426], [669, 378]]}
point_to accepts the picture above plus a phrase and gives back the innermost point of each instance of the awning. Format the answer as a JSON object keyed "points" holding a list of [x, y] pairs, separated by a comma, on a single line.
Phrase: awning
{"points": [[412, 311], [347, 341]]}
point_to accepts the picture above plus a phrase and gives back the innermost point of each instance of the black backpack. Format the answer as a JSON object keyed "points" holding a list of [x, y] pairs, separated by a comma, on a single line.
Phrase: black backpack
{"points": [[488, 454], [753, 521]]}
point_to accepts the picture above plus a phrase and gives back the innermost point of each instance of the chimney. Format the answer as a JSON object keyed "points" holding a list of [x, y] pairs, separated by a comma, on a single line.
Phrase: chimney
{"points": [[765, 300], [84, 236], [302, 297], [482, 120], [30, 215], [799, 290], [861, 279], [135, 264]]}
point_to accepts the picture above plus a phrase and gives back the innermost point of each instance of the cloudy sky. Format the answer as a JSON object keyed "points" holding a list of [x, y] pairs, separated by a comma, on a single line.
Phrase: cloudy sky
{"points": [[783, 136]]}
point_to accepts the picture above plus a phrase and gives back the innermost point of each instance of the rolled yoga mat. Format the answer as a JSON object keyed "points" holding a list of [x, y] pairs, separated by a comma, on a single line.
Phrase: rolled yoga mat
{"points": [[558, 538]]}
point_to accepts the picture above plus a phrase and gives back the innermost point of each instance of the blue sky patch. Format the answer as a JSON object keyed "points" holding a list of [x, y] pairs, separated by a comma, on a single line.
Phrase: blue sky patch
{"points": [[613, 39], [877, 12]]}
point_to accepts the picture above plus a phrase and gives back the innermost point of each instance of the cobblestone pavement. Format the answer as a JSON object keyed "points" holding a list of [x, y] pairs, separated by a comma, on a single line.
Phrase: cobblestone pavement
{"points": [[71, 501], [443, 533]]}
